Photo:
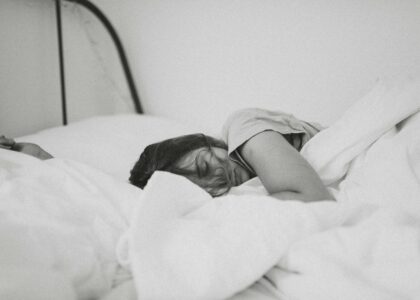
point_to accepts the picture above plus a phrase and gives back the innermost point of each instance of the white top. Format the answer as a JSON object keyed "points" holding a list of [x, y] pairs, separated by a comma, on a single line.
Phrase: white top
{"points": [[246, 123]]}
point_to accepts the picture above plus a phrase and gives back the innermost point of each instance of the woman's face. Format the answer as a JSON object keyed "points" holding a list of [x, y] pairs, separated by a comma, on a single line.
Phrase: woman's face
{"points": [[212, 170]]}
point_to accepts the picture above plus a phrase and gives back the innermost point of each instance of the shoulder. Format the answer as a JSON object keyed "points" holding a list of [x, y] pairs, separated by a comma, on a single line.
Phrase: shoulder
{"points": [[237, 120], [256, 119], [247, 117], [250, 113], [243, 124]]}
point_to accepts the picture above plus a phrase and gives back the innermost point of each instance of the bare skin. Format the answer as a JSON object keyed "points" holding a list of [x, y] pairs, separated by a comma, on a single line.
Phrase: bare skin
{"points": [[282, 170], [206, 164], [26, 148]]}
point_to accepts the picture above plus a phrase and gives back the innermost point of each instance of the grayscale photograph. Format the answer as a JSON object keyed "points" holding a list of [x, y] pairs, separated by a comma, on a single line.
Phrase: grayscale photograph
{"points": [[210, 150]]}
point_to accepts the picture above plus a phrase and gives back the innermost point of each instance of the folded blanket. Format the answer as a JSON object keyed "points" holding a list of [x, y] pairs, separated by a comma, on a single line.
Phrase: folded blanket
{"points": [[332, 150], [375, 147]]}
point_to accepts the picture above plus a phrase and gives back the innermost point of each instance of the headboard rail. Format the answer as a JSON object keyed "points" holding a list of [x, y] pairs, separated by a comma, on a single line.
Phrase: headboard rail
{"points": [[117, 42]]}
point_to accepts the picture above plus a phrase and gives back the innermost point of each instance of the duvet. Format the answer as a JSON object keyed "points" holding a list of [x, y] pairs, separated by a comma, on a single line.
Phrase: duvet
{"points": [[70, 231], [185, 245]]}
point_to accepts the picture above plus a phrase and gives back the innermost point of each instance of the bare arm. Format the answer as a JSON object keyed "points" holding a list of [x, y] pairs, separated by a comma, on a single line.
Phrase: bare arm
{"points": [[27, 148], [282, 170]]}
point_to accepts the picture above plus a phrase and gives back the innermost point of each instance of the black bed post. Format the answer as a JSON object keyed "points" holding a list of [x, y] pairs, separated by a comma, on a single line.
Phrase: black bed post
{"points": [[61, 61], [117, 42]]}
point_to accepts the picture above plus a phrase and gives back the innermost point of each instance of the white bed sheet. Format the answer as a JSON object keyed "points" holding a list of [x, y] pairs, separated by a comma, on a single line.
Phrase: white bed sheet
{"points": [[62, 218], [185, 245], [77, 238], [109, 143]]}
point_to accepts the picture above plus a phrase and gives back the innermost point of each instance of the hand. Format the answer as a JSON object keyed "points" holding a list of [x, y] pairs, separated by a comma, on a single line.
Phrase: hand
{"points": [[27, 148], [6, 143]]}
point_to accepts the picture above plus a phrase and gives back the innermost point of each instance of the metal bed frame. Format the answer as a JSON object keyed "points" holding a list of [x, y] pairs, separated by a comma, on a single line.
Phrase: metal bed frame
{"points": [[117, 42]]}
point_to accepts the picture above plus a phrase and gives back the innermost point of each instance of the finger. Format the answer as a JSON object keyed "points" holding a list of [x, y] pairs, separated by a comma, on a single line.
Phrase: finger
{"points": [[5, 141]]}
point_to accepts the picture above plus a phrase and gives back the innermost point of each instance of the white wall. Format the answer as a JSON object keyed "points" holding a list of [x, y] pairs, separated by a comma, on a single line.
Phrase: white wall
{"points": [[200, 59], [197, 60], [29, 82], [27, 72]]}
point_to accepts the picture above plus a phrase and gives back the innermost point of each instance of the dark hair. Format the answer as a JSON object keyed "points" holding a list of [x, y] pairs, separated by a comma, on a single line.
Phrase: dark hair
{"points": [[164, 155]]}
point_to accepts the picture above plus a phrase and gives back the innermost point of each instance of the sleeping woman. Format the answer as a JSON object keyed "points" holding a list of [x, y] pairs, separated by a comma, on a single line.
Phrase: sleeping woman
{"points": [[255, 142]]}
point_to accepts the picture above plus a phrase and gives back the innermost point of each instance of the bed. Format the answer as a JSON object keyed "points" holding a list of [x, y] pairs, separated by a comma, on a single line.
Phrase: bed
{"points": [[74, 228]]}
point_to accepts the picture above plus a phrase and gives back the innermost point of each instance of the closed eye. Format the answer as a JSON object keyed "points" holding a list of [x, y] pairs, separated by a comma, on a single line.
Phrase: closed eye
{"points": [[203, 169]]}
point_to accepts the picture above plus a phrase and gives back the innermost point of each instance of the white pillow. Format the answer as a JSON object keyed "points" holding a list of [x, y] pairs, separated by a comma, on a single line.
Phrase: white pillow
{"points": [[109, 143]]}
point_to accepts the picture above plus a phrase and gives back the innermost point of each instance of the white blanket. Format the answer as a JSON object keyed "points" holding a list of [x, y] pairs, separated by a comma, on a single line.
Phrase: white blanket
{"points": [[185, 245], [375, 254], [59, 224]]}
